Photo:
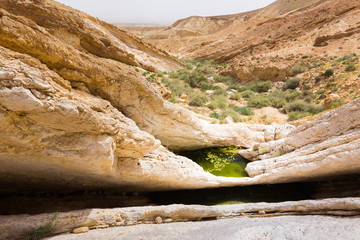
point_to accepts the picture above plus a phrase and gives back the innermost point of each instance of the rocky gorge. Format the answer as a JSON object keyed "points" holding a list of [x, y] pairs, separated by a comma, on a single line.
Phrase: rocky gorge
{"points": [[78, 114]]}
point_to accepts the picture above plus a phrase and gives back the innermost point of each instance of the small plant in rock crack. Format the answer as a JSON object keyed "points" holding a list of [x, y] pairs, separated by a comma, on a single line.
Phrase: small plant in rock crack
{"points": [[43, 231]]}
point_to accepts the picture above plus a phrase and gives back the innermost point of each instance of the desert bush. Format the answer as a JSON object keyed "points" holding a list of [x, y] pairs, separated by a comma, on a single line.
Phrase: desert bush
{"points": [[291, 95], [277, 99], [350, 67], [297, 68], [318, 79], [224, 79], [292, 116], [220, 92], [243, 110], [218, 101], [334, 104], [247, 94], [259, 101], [291, 83], [206, 86], [229, 112], [346, 57], [301, 106], [198, 99], [329, 72], [178, 87], [259, 87], [214, 115], [236, 96]]}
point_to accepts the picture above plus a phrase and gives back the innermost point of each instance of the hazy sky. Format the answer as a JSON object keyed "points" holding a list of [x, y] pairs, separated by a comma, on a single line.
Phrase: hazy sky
{"points": [[161, 11]]}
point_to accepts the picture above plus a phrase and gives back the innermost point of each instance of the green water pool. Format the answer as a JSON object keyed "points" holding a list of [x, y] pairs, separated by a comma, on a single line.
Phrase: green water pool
{"points": [[224, 162]]}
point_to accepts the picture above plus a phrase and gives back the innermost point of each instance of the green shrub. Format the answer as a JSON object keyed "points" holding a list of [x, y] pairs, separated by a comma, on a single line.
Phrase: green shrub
{"points": [[220, 92], [247, 94], [243, 110], [43, 231], [318, 79], [229, 112], [351, 67], [206, 86], [291, 95], [301, 106], [218, 101], [236, 96], [292, 116], [214, 115], [259, 87], [297, 68], [291, 83], [329, 72], [277, 99], [198, 99], [178, 87], [259, 101], [334, 104], [346, 57], [224, 79]]}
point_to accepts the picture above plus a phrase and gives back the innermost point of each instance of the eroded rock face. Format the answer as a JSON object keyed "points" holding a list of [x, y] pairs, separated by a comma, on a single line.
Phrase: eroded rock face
{"points": [[16, 226], [326, 146], [75, 113], [117, 83]]}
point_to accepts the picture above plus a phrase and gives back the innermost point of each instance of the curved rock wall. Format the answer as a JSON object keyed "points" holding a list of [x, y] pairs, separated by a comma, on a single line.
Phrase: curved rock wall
{"points": [[329, 145]]}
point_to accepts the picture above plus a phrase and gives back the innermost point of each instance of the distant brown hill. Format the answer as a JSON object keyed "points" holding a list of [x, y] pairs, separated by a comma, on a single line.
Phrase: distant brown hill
{"points": [[192, 30]]}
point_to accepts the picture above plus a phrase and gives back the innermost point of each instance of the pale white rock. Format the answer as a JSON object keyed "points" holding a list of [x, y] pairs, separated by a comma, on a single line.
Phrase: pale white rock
{"points": [[15, 226], [327, 146], [19, 100]]}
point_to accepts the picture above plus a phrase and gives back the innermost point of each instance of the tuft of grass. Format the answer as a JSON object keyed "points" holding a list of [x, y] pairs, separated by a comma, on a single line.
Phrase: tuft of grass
{"points": [[198, 99], [219, 101], [178, 87], [229, 112], [259, 101], [247, 94], [259, 87], [297, 115], [236, 96], [334, 104], [220, 92], [243, 110], [214, 115], [43, 231], [297, 69], [350, 67], [301, 106]]}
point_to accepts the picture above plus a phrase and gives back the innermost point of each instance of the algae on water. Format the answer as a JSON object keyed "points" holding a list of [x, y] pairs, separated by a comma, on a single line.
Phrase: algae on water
{"points": [[220, 161]]}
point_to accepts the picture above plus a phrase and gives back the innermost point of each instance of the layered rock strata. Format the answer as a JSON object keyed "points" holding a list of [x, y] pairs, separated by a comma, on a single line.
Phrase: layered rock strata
{"points": [[19, 225], [329, 145], [77, 113]]}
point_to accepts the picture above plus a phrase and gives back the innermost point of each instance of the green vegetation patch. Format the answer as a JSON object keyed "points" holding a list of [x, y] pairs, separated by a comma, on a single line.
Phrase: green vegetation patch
{"points": [[219, 161]]}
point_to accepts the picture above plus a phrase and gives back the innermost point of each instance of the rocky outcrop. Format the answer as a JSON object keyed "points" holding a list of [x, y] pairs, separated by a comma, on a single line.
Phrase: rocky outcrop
{"points": [[326, 146], [117, 83], [15, 226], [284, 227], [75, 117]]}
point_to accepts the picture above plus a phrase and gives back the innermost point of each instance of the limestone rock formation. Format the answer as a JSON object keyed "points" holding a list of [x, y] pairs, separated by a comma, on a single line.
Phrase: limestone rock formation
{"points": [[77, 114], [329, 145], [284, 227], [15, 226]]}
